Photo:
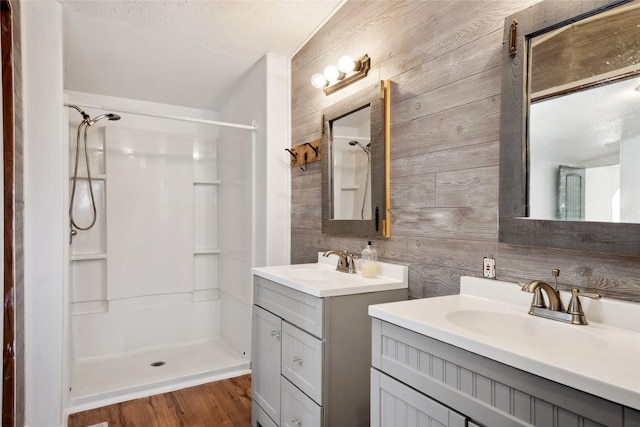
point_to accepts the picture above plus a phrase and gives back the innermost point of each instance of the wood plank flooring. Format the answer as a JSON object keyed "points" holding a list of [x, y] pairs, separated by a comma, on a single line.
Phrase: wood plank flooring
{"points": [[220, 403]]}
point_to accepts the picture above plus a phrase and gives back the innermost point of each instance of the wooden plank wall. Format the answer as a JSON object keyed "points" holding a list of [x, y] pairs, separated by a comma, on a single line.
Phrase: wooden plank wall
{"points": [[443, 58]]}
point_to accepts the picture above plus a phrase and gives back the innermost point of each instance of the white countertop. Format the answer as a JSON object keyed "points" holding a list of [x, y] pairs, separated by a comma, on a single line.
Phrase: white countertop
{"points": [[490, 318], [322, 280]]}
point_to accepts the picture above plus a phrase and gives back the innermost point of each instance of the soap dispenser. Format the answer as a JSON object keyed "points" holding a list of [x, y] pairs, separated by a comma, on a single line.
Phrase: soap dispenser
{"points": [[369, 262]]}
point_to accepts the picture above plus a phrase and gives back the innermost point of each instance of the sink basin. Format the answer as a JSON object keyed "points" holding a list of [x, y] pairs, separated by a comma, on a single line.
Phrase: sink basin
{"points": [[320, 279], [489, 318], [318, 275], [527, 330]]}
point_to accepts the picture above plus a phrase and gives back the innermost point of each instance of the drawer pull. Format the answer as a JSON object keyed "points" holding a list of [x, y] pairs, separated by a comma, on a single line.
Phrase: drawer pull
{"points": [[296, 420], [275, 334], [297, 359]]}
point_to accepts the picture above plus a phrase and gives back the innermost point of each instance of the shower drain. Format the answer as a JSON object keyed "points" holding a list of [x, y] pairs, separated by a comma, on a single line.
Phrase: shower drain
{"points": [[158, 363]]}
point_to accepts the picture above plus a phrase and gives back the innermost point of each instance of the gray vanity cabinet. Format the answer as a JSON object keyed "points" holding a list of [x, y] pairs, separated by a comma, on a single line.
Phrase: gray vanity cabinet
{"points": [[445, 385], [311, 356]]}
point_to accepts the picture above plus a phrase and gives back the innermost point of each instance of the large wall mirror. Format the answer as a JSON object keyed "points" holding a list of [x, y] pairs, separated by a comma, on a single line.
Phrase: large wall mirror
{"points": [[355, 169], [570, 134]]}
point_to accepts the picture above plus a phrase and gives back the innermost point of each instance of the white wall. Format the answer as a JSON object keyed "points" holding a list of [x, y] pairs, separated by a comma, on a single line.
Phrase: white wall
{"points": [[629, 178], [543, 188], [601, 188], [262, 96], [278, 168], [44, 192]]}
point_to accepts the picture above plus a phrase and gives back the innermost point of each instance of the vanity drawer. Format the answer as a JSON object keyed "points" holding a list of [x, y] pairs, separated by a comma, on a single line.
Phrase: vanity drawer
{"points": [[300, 309], [298, 409], [302, 360]]}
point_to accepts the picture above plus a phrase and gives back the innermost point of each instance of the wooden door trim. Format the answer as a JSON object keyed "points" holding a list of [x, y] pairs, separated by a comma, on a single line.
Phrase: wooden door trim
{"points": [[8, 171]]}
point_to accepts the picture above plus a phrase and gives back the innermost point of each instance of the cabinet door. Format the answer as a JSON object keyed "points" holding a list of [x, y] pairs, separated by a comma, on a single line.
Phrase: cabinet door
{"points": [[395, 404], [259, 418], [265, 361]]}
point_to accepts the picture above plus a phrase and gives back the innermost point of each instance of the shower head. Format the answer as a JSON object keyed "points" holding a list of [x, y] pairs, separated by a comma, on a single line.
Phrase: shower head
{"points": [[109, 116], [366, 149], [89, 121]]}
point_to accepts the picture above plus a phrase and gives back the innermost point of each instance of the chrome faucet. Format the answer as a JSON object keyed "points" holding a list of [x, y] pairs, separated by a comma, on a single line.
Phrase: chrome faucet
{"points": [[556, 311], [345, 261]]}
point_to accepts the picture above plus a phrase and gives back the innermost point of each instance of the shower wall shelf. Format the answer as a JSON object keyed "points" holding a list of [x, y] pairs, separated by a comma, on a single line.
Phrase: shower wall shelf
{"points": [[205, 226], [90, 307], [99, 177], [306, 153], [88, 257], [206, 251]]}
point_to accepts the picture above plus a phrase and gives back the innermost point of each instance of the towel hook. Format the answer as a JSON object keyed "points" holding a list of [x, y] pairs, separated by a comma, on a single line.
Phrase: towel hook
{"points": [[313, 147], [293, 154]]}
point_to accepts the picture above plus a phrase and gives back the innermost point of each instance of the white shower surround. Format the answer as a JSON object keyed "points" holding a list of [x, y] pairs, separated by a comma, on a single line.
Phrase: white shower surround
{"points": [[149, 282]]}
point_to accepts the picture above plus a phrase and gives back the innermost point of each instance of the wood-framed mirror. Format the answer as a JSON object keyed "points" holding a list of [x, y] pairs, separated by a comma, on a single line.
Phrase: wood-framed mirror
{"points": [[356, 197], [560, 67]]}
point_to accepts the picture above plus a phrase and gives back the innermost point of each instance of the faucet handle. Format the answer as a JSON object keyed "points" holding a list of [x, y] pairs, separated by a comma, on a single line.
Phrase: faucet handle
{"points": [[575, 307]]}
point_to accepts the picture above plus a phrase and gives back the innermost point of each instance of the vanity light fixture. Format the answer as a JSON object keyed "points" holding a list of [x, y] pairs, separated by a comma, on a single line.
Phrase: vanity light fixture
{"points": [[336, 77]]}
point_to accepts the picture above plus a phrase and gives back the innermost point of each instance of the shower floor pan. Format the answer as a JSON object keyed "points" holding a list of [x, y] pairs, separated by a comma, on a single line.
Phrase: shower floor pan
{"points": [[143, 373]]}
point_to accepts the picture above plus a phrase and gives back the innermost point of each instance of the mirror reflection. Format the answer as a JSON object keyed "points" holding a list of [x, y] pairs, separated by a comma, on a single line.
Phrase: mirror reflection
{"points": [[351, 156], [356, 193], [584, 167], [556, 54], [584, 120]]}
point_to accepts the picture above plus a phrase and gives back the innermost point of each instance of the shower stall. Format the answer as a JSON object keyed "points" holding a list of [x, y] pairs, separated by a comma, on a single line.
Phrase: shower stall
{"points": [[161, 230]]}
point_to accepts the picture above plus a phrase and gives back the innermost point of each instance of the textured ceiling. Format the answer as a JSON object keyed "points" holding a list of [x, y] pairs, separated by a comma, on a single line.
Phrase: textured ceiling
{"points": [[187, 52], [595, 120]]}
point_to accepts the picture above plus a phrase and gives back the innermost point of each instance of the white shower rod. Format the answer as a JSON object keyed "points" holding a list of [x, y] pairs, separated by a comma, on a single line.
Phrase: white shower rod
{"points": [[163, 116], [361, 138]]}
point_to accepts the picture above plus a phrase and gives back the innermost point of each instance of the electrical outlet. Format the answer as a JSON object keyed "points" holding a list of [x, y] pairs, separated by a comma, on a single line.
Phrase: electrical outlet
{"points": [[489, 267]]}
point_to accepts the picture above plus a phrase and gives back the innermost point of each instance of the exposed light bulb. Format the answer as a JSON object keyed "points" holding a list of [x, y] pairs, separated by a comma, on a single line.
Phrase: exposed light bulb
{"points": [[318, 81], [346, 64], [333, 78], [331, 73]]}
